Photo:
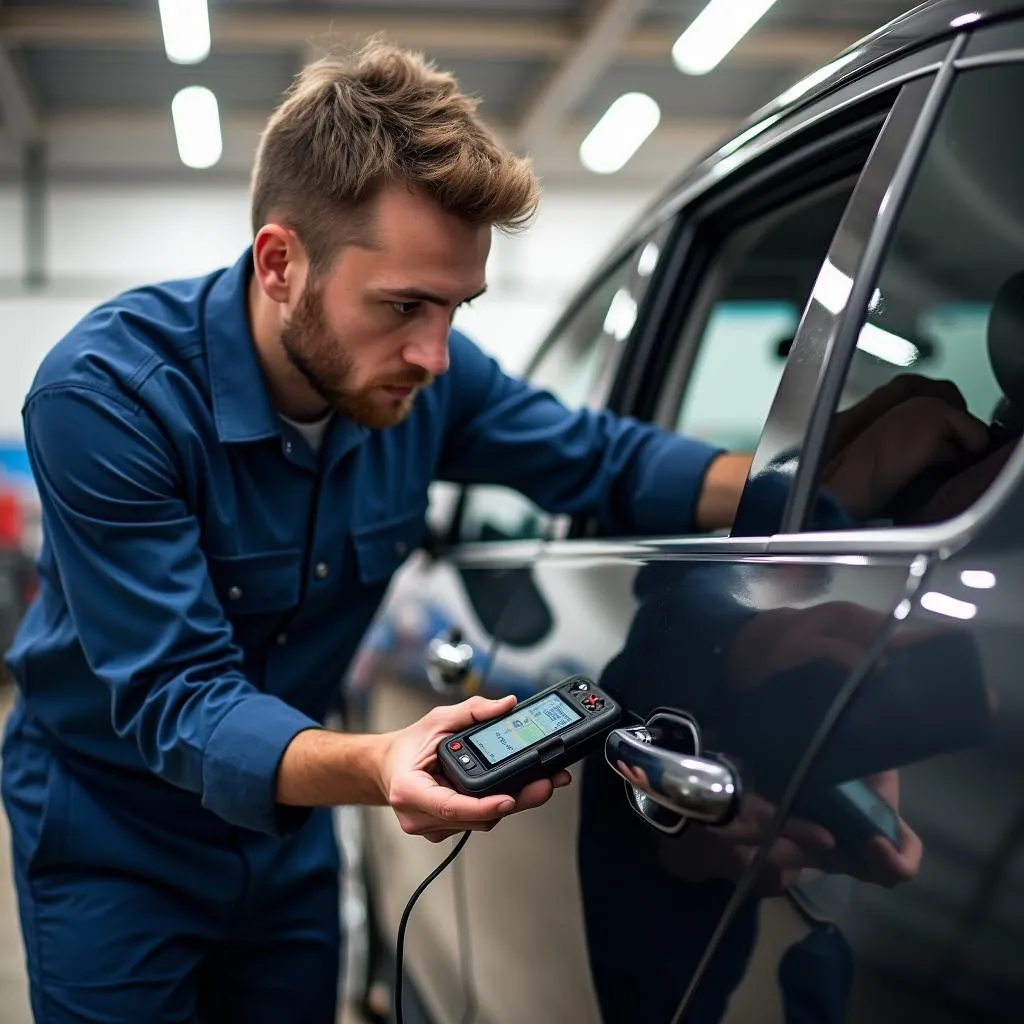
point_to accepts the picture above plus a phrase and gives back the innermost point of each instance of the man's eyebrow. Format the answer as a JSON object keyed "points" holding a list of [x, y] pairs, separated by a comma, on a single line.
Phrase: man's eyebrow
{"points": [[419, 295]]}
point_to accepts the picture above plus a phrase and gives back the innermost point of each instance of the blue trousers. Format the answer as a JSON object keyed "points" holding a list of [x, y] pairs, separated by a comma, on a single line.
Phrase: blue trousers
{"points": [[136, 910]]}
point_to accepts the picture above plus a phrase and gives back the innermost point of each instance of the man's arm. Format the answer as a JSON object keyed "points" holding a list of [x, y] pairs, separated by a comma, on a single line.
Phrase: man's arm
{"points": [[152, 629], [633, 477], [720, 491]]}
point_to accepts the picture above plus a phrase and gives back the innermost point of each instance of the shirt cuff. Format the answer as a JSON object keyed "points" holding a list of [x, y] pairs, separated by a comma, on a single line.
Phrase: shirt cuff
{"points": [[669, 486], [240, 765]]}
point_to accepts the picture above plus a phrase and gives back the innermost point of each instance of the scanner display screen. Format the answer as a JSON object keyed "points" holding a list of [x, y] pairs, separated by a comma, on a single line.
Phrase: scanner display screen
{"points": [[524, 727]]}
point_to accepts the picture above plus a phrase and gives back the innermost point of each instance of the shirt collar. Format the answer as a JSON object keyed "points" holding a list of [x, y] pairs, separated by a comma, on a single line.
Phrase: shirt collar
{"points": [[242, 408]]}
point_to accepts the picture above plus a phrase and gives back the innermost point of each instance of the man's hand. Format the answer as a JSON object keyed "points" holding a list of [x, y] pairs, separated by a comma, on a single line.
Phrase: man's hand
{"points": [[321, 768], [878, 861], [893, 436], [803, 850], [427, 806], [703, 853]]}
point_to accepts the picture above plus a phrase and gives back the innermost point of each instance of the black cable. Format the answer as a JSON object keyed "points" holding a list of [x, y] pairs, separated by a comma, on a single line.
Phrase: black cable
{"points": [[403, 924]]}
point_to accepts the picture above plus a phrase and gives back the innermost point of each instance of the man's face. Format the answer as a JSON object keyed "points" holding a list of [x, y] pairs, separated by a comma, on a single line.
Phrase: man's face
{"points": [[373, 330]]}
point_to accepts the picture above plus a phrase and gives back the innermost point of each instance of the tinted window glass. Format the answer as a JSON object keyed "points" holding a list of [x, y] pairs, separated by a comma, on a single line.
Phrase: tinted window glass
{"points": [[571, 368], [756, 292], [933, 402]]}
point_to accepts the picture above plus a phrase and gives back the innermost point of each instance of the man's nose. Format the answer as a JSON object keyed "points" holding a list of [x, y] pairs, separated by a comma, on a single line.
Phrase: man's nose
{"points": [[430, 350]]}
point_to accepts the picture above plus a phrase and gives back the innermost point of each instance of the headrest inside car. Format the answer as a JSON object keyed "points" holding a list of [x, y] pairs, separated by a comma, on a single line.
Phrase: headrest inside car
{"points": [[1006, 338]]}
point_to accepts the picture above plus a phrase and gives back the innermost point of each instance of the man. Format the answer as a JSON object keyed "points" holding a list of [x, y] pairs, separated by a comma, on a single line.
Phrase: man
{"points": [[230, 470]]}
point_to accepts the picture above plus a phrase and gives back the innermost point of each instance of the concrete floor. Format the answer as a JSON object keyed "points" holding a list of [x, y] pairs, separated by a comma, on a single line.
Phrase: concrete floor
{"points": [[14, 1008]]}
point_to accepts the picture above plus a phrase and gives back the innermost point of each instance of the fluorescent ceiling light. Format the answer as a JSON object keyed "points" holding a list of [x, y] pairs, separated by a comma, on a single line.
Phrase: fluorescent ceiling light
{"points": [[890, 348], [833, 287], [714, 32], [648, 260], [621, 315], [186, 28], [197, 126], [980, 579], [943, 604], [620, 133]]}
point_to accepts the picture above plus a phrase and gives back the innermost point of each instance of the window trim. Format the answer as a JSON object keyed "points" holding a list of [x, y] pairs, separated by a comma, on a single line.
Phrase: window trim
{"points": [[825, 340], [951, 534]]}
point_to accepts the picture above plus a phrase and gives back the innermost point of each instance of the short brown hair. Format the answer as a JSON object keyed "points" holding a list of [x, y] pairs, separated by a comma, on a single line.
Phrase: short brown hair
{"points": [[349, 126]]}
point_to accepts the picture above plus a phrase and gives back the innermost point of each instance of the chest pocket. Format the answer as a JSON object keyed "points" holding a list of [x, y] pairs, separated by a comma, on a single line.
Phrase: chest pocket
{"points": [[254, 584], [381, 548]]}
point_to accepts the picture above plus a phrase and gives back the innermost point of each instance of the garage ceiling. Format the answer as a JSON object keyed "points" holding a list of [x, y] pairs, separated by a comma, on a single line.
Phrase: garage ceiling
{"points": [[90, 80]]}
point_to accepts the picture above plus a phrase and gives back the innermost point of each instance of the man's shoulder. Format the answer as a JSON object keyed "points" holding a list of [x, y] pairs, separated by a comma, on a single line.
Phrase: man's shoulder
{"points": [[117, 346]]}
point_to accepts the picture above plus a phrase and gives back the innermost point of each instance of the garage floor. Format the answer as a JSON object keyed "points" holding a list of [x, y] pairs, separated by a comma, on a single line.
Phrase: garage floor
{"points": [[13, 989]]}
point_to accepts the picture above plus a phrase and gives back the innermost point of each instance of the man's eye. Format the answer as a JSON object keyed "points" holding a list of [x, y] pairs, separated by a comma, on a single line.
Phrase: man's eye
{"points": [[405, 308]]}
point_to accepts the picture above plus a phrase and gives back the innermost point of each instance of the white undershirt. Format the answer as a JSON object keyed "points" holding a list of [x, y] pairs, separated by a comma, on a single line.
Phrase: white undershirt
{"points": [[312, 433]]}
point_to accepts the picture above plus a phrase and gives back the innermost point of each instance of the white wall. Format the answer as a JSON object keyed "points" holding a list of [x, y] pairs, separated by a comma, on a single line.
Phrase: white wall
{"points": [[102, 239]]}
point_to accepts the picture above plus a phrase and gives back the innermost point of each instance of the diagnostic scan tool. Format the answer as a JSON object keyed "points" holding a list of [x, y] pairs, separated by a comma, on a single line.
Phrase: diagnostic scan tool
{"points": [[555, 728]]}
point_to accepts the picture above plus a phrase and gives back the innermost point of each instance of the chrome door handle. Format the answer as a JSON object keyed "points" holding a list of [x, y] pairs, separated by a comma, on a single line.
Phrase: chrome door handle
{"points": [[697, 788], [449, 663]]}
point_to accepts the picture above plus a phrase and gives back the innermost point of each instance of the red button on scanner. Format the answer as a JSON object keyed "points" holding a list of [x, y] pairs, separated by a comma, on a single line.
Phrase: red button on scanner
{"points": [[455, 746]]}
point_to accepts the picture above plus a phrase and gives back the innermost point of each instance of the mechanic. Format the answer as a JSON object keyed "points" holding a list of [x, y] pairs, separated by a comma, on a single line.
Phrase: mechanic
{"points": [[230, 470]]}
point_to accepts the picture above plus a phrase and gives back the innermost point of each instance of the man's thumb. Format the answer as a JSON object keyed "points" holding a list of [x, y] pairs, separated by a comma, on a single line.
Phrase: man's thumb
{"points": [[479, 709]]}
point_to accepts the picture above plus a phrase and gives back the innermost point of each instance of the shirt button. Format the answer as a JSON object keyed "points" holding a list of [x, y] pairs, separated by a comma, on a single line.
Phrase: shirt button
{"points": [[401, 549], [282, 639], [321, 570], [287, 447], [234, 593]]}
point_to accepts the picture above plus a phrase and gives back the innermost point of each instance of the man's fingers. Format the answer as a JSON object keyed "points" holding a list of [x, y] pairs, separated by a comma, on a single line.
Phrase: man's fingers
{"points": [[889, 866], [807, 833], [535, 794], [969, 431], [469, 712], [851, 422], [423, 796]]}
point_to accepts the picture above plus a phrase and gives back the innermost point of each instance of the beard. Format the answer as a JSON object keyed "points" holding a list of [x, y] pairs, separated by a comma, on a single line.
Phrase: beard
{"points": [[329, 369]]}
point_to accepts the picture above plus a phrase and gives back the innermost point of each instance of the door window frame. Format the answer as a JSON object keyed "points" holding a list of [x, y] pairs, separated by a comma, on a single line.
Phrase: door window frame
{"points": [[949, 534], [865, 109]]}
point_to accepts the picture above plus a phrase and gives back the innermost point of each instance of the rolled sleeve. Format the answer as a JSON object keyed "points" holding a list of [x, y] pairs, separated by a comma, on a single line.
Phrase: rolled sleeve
{"points": [[667, 482], [241, 760], [144, 610]]}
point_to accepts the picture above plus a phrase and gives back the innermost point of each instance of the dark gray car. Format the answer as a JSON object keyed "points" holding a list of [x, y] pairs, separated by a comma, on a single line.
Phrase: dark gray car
{"points": [[855, 669]]}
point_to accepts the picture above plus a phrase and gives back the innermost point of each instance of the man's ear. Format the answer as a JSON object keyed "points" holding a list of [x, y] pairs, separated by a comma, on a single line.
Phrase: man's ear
{"points": [[280, 264]]}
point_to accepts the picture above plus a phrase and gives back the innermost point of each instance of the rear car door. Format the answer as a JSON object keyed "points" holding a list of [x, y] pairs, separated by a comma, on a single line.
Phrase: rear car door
{"points": [[925, 719], [652, 619]]}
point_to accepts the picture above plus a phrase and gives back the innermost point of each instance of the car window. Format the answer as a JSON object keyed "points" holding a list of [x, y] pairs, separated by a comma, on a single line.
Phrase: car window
{"points": [[745, 321], [944, 327], [571, 366]]}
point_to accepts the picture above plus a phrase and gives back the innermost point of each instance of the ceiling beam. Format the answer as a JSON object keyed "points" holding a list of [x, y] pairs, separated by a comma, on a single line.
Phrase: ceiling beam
{"points": [[606, 29], [508, 38], [111, 146], [21, 122]]}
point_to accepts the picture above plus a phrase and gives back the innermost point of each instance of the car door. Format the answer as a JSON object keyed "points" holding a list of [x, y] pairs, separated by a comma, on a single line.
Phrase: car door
{"points": [[928, 716], [436, 637], [652, 618]]}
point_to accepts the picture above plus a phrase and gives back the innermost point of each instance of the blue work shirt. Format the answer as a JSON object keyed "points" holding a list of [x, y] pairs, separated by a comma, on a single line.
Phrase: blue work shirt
{"points": [[206, 577]]}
